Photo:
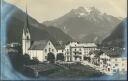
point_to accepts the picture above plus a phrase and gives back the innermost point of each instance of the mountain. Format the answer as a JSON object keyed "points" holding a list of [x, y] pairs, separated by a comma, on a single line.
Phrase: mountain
{"points": [[82, 22], [117, 37], [38, 31]]}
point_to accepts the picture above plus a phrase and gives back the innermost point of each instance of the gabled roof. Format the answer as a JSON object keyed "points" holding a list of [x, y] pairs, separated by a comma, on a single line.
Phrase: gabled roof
{"points": [[39, 45], [58, 46]]}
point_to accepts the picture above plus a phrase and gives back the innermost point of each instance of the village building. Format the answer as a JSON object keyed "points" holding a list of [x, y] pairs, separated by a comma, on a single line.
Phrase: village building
{"points": [[13, 45], [105, 63], [76, 52], [40, 50], [119, 64]]}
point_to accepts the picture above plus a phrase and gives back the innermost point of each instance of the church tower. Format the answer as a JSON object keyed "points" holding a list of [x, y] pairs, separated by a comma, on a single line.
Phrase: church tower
{"points": [[26, 38]]}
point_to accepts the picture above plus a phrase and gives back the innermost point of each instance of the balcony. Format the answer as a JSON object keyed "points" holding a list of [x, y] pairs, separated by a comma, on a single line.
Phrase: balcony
{"points": [[77, 52]]}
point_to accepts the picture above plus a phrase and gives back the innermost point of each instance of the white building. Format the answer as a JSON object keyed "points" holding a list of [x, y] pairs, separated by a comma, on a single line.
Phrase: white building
{"points": [[76, 52], [13, 45]]}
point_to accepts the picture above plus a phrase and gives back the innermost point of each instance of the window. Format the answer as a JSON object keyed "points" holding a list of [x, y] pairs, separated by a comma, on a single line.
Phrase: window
{"points": [[80, 49], [75, 49], [52, 50], [49, 43], [45, 50], [108, 69], [45, 57], [27, 37], [49, 49]]}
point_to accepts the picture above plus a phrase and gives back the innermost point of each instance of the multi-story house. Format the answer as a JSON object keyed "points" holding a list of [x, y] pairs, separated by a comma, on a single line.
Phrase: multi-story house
{"points": [[76, 52]]}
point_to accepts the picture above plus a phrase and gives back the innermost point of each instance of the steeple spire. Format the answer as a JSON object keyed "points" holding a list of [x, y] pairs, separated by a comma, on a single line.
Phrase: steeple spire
{"points": [[26, 24], [27, 15]]}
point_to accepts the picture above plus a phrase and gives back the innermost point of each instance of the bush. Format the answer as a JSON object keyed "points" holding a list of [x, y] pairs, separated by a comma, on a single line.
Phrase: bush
{"points": [[51, 57], [26, 59], [60, 56], [35, 61]]}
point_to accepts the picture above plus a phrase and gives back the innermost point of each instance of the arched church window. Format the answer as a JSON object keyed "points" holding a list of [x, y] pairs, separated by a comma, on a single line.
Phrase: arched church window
{"points": [[27, 37], [49, 49]]}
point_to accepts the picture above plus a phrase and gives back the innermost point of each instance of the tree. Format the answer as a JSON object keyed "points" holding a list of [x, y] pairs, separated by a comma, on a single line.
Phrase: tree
{"points": [[16, 59], [60, 56], [19, 49], [26, 59], [51, 57], [35, 61]]}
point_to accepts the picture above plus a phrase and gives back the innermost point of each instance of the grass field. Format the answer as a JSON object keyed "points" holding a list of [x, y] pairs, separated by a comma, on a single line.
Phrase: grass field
{"points": [[75, 70]]}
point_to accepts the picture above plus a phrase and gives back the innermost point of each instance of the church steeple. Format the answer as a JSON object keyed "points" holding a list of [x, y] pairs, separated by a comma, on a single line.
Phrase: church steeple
{"points": [[26, 32], [26, 38]]}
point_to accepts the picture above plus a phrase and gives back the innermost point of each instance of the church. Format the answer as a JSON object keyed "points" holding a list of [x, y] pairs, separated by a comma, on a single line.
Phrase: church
{"points": [[38, 49]]}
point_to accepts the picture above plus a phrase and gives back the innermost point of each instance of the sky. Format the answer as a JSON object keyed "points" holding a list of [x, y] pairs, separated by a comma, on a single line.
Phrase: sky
{"points": [[44, 10]]}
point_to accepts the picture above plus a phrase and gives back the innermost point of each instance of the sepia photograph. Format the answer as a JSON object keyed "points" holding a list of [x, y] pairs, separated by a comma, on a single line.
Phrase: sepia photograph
{"points": [[63, 40]]}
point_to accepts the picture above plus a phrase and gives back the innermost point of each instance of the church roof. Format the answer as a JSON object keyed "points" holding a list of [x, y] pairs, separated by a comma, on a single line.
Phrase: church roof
{"points": [[39, 45]]}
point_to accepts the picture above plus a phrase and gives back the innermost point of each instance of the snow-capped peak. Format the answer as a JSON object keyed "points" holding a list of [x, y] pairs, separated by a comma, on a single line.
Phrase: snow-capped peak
{"points": [[87, 9], [82, 14]]}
